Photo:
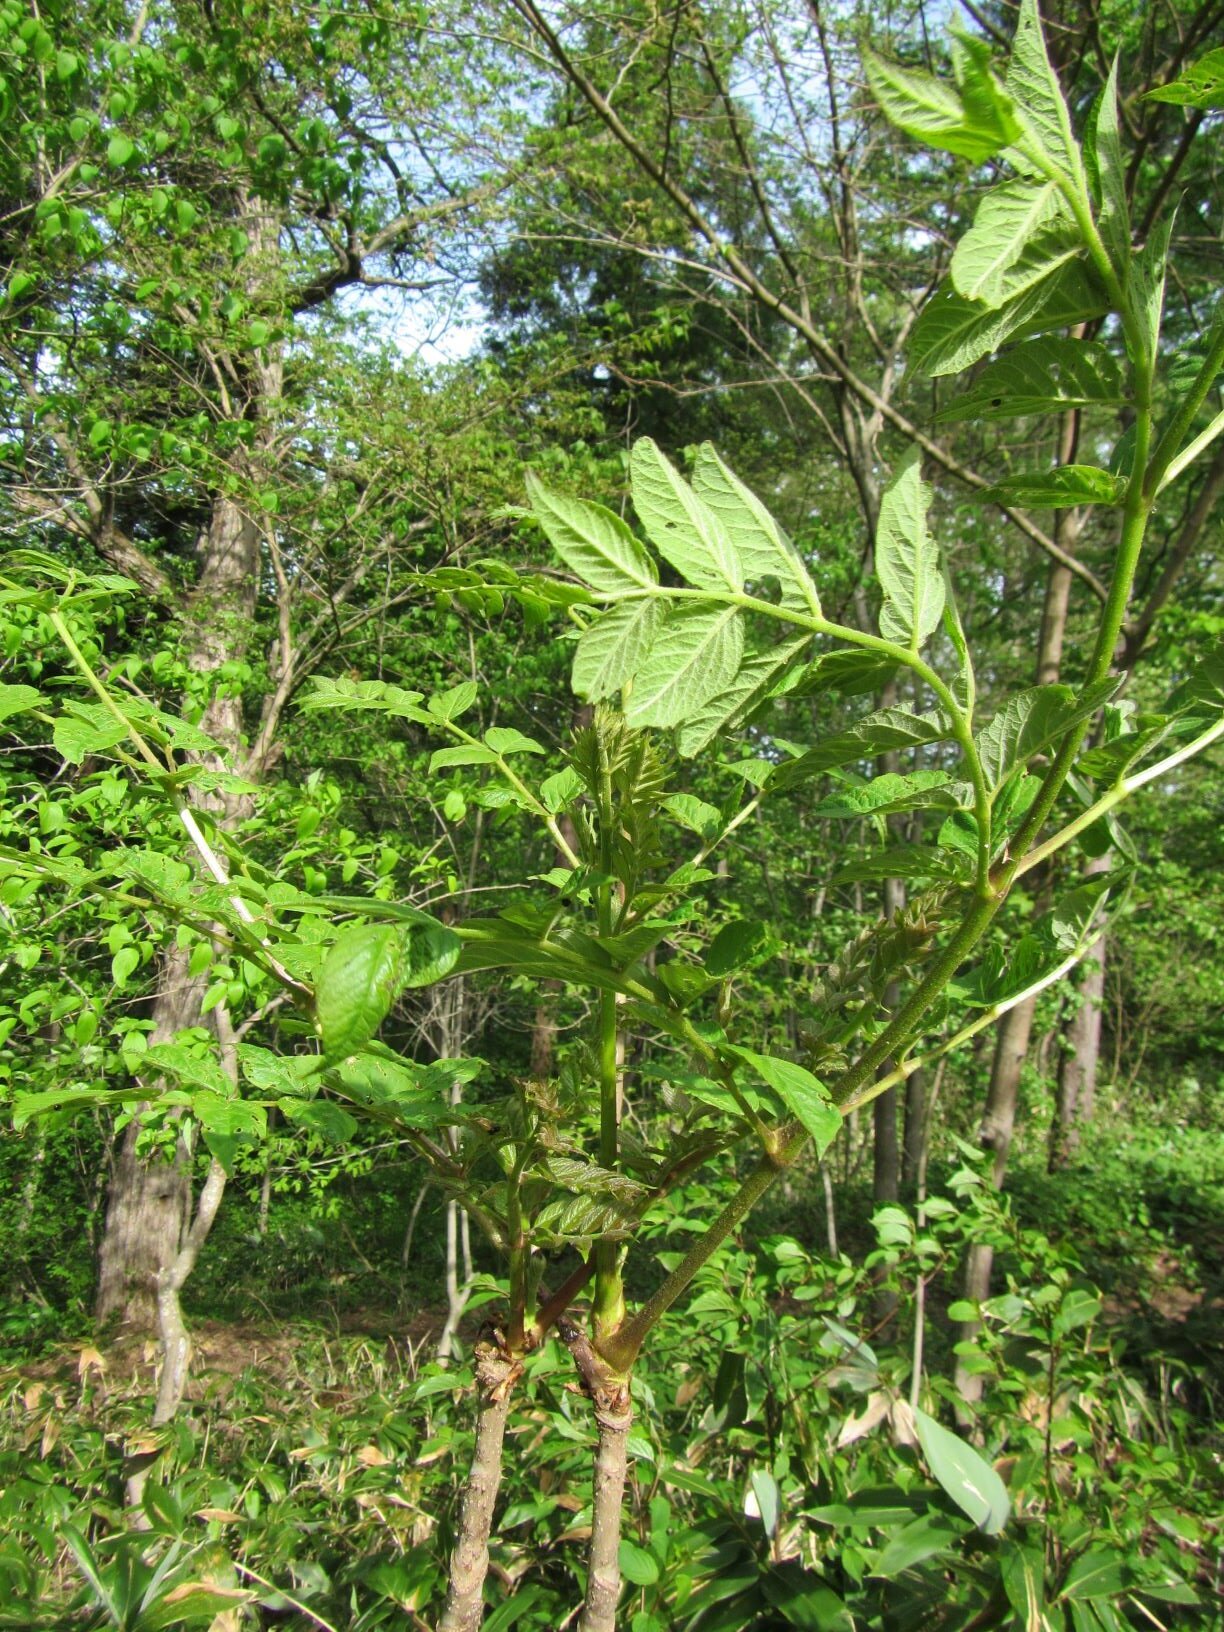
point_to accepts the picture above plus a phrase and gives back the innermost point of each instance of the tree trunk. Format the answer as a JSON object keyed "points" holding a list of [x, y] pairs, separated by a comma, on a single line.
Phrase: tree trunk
{"points": [[609, 1393], [495, 1375], [998, 1124], [1080, 1053], [149, 1201], [915, 1129]]}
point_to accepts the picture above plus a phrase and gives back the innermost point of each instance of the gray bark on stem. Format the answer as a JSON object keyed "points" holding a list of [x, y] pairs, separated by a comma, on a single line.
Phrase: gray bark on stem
{"points": [[496, 1373], [608, 1391]]}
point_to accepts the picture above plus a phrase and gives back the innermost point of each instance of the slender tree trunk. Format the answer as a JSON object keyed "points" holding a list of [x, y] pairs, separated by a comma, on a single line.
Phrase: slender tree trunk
{"points": [[608, 1392], [830, 1209], [915, 1129], [149, 1202], [496, 1372], [999, 1117], [998, 1124], [1081, 1050]]}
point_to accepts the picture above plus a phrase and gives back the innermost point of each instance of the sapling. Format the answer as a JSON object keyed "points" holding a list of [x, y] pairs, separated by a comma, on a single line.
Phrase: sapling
{"points": [[697, 629]]}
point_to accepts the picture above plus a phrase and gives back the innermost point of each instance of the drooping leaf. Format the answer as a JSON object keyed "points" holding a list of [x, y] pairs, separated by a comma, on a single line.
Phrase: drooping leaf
{"points": [[851, 672], [924, 862], [1201, 85], [766, 1498], [321, 1116], [612, 650], [763, 549], [595, 544], [1059, 489], [1019, 234], [1032, 720], [886, 795], [681, 526], [907, 559], [885, 730], [966, 1476], [361, 976], [952, 332], [696, 654], [1043, 376], [935, 113], [804, 1095]]}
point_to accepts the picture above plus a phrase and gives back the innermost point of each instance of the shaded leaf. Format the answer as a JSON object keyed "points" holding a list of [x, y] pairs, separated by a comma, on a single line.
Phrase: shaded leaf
{"points": [[1058, 489], [1041, 376], [804, 1095], [360, 978], [888, 728], [966, 1476], [953, 332]]}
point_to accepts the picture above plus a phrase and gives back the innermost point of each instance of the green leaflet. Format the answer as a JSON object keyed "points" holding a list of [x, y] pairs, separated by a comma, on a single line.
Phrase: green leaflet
{"points": [[1019, 234], [1148, 273], [612, 650], [1039, 377], [1032, 720], [804, 1095], [183, 1065], [966, 1476], [907, 560], [505, 739], [321, 1116], [1109, 163], [888, 728], [76, 739], [759, 678], [763, 549], [696, 654], [1040, 105], [953, 332], [885, 795], [364, 694], [694, 813], [1201, 86], [1060, 489], [935, 113], [681, 526], [466, 753], [361, 977], [17, 699], [735, 945], [595, 544]]}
